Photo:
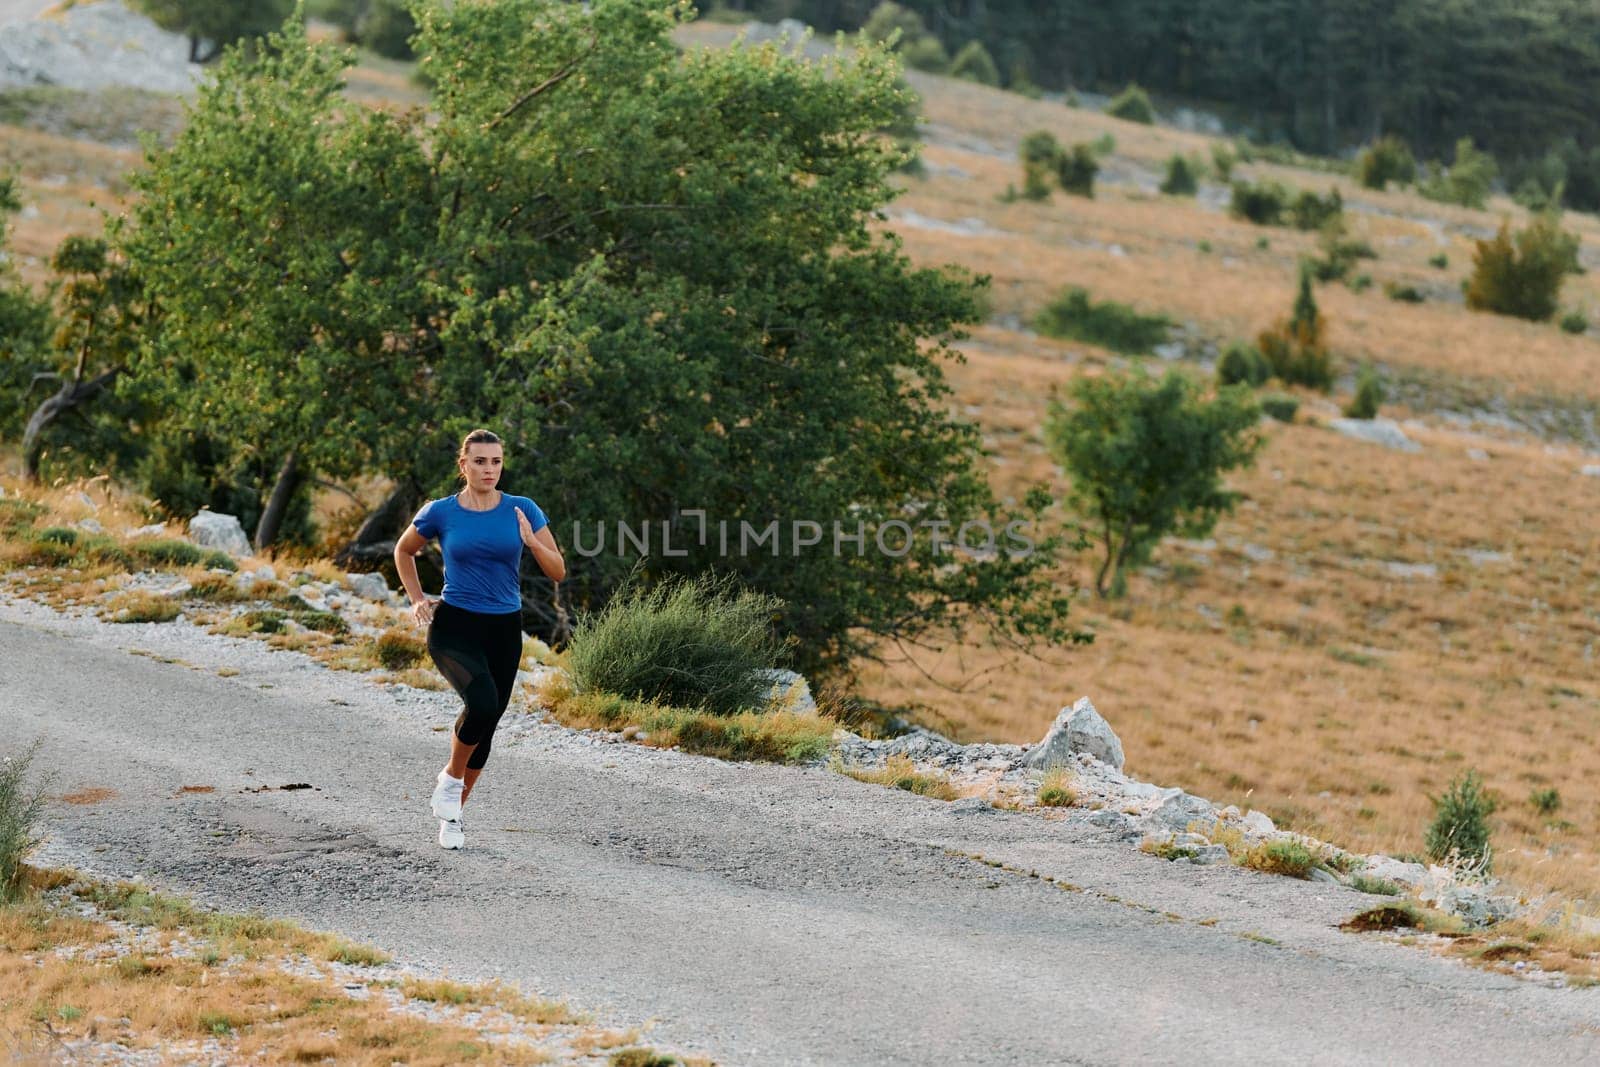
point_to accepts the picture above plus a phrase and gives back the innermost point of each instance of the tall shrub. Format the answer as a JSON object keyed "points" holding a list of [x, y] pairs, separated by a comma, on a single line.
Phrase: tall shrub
{"points": [[1040, 154], [1132, 105], [1297, 348], [1467, 181], [1386, 160], [1181, 179], [1521, 276], [1076, 169], [1460, 826]]}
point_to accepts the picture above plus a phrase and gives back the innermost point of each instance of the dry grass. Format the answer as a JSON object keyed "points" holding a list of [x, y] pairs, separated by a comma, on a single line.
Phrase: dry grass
{"points": [[194, 975], [1057, 789], [900, 773]]}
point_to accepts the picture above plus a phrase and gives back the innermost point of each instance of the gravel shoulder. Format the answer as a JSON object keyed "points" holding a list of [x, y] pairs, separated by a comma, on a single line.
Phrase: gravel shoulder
{"points": [[756, 914]]}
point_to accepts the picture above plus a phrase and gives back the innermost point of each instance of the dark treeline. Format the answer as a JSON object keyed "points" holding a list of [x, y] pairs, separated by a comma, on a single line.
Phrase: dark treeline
{"points": [[1518, 76]]}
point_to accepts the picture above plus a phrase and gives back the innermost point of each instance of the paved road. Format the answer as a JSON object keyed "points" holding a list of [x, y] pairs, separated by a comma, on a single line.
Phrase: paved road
{"points": [[760, 915]]}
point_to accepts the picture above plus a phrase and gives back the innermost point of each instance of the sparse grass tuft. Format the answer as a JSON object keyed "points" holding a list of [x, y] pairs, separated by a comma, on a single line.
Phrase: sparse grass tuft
{"points": [[1364, 883], [768, 737], [141, 605], [1057, 790], [900, 773], [400, 649], [641, 1057], [1280, 856]]}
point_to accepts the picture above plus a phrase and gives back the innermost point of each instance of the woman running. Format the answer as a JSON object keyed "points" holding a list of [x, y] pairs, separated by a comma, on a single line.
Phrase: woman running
{"points": [[475, 631]]}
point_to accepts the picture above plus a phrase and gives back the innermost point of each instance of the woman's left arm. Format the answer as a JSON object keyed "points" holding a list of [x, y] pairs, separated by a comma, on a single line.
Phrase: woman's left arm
{"points": [[543, 547]]}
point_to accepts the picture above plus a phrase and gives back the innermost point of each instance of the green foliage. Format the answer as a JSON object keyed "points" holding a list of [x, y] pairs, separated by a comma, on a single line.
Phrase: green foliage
{"points": [[1181, 179], [694, 643], [1382, 887], [1545, 801], [900, 773], [1076, 169], [1575, 322], [1467, 181], [1132, 105], [1262, 203], [1439, 260], [1108, 324], [1296, 348], [1368, 395], [1386, 160], [1146, 458], [1460, 826], [217, 23], [1222, 161], [1104, 145], [1359, 283], [973, 63], [1280, 406], [1242, 364], [641, 1056], [1041, 156], [21, 807], [926, 54], [1522, 276], [1308, 211], [1339, 253]]}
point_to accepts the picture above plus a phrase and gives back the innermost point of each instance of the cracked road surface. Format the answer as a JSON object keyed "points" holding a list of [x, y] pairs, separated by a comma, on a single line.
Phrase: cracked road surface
{"points": [[759, 915]]}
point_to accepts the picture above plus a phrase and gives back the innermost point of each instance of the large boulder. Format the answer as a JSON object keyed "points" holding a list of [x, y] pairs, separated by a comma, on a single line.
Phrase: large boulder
{"points": [[1179, 812], [1077, 729], [222, 532], [372, 586]]}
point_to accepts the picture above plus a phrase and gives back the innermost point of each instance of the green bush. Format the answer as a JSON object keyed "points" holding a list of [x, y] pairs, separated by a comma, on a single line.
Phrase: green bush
{"points": [[1132, 105], [1222, 161], [1296, 348], [1108, 324], [1262, 203], [1339, 253], [1242, 364], [20, 810], [1309, 211], [1404, 292], [1181, 179], [1575, 322], [1360, 283], [1545, 801], [1460, 824], [1467, 181], [1281, 856], [1368, 395], [1386, 160], [1076, 170], [1041, 156], [688, 643], [926, 54], [974, 64], [1521, 277], [1146, 458], [1103, 145], [327, 622], [1280, 406], [1439, 260]]}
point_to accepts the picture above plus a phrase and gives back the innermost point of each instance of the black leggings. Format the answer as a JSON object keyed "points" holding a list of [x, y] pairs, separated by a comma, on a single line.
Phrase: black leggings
{"points": [[478, 654]]}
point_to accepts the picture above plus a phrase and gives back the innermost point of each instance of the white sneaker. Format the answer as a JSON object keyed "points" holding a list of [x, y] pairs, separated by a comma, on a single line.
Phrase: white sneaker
{"points": [[450, 835], [447, 796]]}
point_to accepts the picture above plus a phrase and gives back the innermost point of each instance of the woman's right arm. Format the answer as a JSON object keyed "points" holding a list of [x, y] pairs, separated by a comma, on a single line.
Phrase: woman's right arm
{"points": [[405, 563]]}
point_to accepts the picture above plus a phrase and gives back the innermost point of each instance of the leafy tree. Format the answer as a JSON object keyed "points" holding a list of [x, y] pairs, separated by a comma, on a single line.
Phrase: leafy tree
{"points": [[1147, 458], [634, 263], [1522, 276], [212, 25], [974, 63]]}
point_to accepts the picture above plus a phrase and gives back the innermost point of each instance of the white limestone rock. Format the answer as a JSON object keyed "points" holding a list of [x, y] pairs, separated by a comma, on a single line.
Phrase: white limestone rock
{"points": [[1079, 728], [208, 529], [1385, 432]]}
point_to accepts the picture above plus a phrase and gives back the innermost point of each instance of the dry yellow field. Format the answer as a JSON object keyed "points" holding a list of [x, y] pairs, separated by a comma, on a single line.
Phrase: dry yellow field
{"points": [[1368, 623]]}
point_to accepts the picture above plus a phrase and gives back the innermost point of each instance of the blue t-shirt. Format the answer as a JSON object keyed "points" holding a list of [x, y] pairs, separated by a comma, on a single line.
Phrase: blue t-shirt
{"points": [[482, 550]]}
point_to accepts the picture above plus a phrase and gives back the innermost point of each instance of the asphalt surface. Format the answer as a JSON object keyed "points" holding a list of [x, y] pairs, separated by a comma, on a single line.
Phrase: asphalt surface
{"points": [[759, 915]]}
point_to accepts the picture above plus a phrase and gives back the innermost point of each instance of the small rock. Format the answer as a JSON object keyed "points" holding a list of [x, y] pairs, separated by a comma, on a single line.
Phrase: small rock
{"points": [[1210, 854], [1410, 570], [91, 525], [223, 532], [371, 586], [1317, 874], [266, 573], [788, 685], [1180, 810], [971, 806], [1258, 554], [1106, 819], [87, 501], [1258, 823], [1411, 875], [155, 529], [1079, 728], [1385, 432]]}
